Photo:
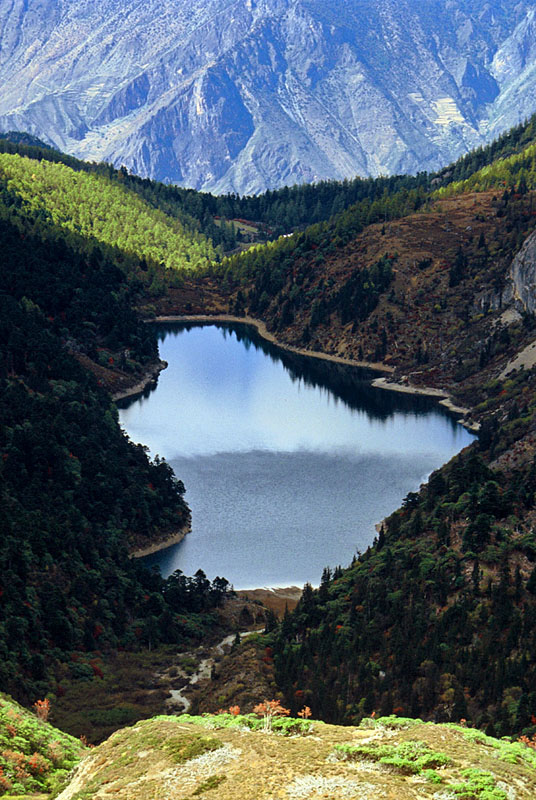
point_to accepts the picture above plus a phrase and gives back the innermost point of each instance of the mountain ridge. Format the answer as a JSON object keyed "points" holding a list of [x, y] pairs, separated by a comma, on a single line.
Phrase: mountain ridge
{"points": [[241, 97]]}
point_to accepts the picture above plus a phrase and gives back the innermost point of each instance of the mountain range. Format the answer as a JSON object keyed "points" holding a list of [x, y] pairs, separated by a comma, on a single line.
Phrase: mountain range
{"points": [[245, 95]]}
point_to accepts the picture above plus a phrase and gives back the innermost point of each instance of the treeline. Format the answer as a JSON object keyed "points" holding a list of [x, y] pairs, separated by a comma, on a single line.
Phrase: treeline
{"points": [[282, 210], [75, 492], [438, 618], [509, 144], [292, 208], [516, 173]]}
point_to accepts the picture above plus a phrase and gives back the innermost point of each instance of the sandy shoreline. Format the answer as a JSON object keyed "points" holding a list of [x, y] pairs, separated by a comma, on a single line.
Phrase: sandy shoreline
{"points": [[265, 333], [276, 599], [169, 541], [428, 391]]}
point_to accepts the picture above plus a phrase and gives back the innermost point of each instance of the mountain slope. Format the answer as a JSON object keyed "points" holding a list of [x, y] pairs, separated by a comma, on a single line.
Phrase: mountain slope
{"points": [[35, 756], [412, 276], [76, 493], [96, 208], [232, 96], [438, 617]]}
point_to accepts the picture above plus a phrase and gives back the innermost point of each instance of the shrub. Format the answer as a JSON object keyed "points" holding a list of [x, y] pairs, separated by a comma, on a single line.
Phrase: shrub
{"points": [[408, 758]]}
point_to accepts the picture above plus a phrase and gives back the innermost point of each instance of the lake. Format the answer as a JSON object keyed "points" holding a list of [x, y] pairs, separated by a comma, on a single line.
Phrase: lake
{"points": [[288, 461]]}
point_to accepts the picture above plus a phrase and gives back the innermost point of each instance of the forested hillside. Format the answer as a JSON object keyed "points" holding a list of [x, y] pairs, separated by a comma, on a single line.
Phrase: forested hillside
{"points": [[438, 617], [76, 493], [97, 208], [400, 274], [416, 272]]}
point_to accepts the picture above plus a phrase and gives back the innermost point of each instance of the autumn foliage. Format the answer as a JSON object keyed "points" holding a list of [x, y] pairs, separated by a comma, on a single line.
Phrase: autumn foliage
{"points": [[530, 742], [270, 709], [42, 708]]}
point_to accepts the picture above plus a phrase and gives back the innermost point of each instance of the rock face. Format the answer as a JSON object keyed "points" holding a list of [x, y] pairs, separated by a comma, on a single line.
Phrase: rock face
{"points": [[523, 275], [244, 95]]}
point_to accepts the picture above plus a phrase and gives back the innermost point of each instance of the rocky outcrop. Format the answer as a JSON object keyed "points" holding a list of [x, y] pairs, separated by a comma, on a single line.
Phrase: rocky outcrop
{"points": [[244, 95], [523, 276]]}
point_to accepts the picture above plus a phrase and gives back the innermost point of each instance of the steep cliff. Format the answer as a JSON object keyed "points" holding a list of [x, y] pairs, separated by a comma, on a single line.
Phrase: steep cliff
{"points": [[522, 275]]}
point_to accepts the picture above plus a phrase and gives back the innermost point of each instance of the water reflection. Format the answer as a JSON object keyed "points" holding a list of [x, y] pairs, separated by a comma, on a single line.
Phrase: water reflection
{"points": [[288, 461]]}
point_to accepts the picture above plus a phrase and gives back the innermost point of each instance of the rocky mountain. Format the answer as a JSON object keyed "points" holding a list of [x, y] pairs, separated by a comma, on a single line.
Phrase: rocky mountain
{"points": [[244, 95]]}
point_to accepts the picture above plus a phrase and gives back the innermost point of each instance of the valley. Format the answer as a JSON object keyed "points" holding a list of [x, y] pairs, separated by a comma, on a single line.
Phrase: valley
{"points": [[431, 279]]}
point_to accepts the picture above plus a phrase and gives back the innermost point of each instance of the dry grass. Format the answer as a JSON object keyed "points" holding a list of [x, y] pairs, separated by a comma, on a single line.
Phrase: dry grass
{"points": [[138, 764]]}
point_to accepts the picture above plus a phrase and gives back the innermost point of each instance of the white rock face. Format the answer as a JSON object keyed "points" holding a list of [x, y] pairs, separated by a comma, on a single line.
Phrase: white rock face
{"points": [[244, 95], [523, 275]]}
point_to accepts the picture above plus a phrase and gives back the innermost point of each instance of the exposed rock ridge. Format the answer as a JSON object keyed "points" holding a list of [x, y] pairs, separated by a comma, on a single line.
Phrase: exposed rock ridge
{"points": [[523, 275], [244, 95]]}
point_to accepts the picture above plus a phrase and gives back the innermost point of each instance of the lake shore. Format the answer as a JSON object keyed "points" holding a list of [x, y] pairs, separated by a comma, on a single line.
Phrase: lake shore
{"points": [[263, 331], [443, 397], [148, 378], [275, 599], [428, 391], [169, 541]]}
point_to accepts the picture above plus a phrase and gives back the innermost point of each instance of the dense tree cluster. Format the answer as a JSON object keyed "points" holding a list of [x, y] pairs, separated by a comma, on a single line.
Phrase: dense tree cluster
{"points": [[438, 618], [75, 492], [98, 208]]}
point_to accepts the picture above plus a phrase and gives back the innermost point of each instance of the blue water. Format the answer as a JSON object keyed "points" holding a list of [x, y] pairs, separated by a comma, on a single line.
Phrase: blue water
{"points": [[288, 462]]}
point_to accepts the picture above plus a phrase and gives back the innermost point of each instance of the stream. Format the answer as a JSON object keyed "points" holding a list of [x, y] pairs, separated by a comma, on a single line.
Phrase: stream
{"points": [[178, 702]]}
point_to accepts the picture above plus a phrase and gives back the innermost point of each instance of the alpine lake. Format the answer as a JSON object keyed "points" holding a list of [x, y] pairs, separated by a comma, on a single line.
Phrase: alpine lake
{"points": [[288, 461]]}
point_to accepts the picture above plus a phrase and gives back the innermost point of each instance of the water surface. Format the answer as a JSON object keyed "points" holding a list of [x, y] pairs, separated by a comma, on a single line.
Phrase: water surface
{"points": [[288, 461]]}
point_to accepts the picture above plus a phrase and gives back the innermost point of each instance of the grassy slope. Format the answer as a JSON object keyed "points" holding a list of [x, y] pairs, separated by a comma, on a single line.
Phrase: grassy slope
{"points": [[181, 757], [34, 756]]}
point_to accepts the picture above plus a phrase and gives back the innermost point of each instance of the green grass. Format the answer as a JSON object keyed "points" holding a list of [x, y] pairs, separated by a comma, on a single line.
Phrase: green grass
{"points": [[184, 748], [407, 758], [286, 726], [211, 783], [477, 785], [34, 756]]}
